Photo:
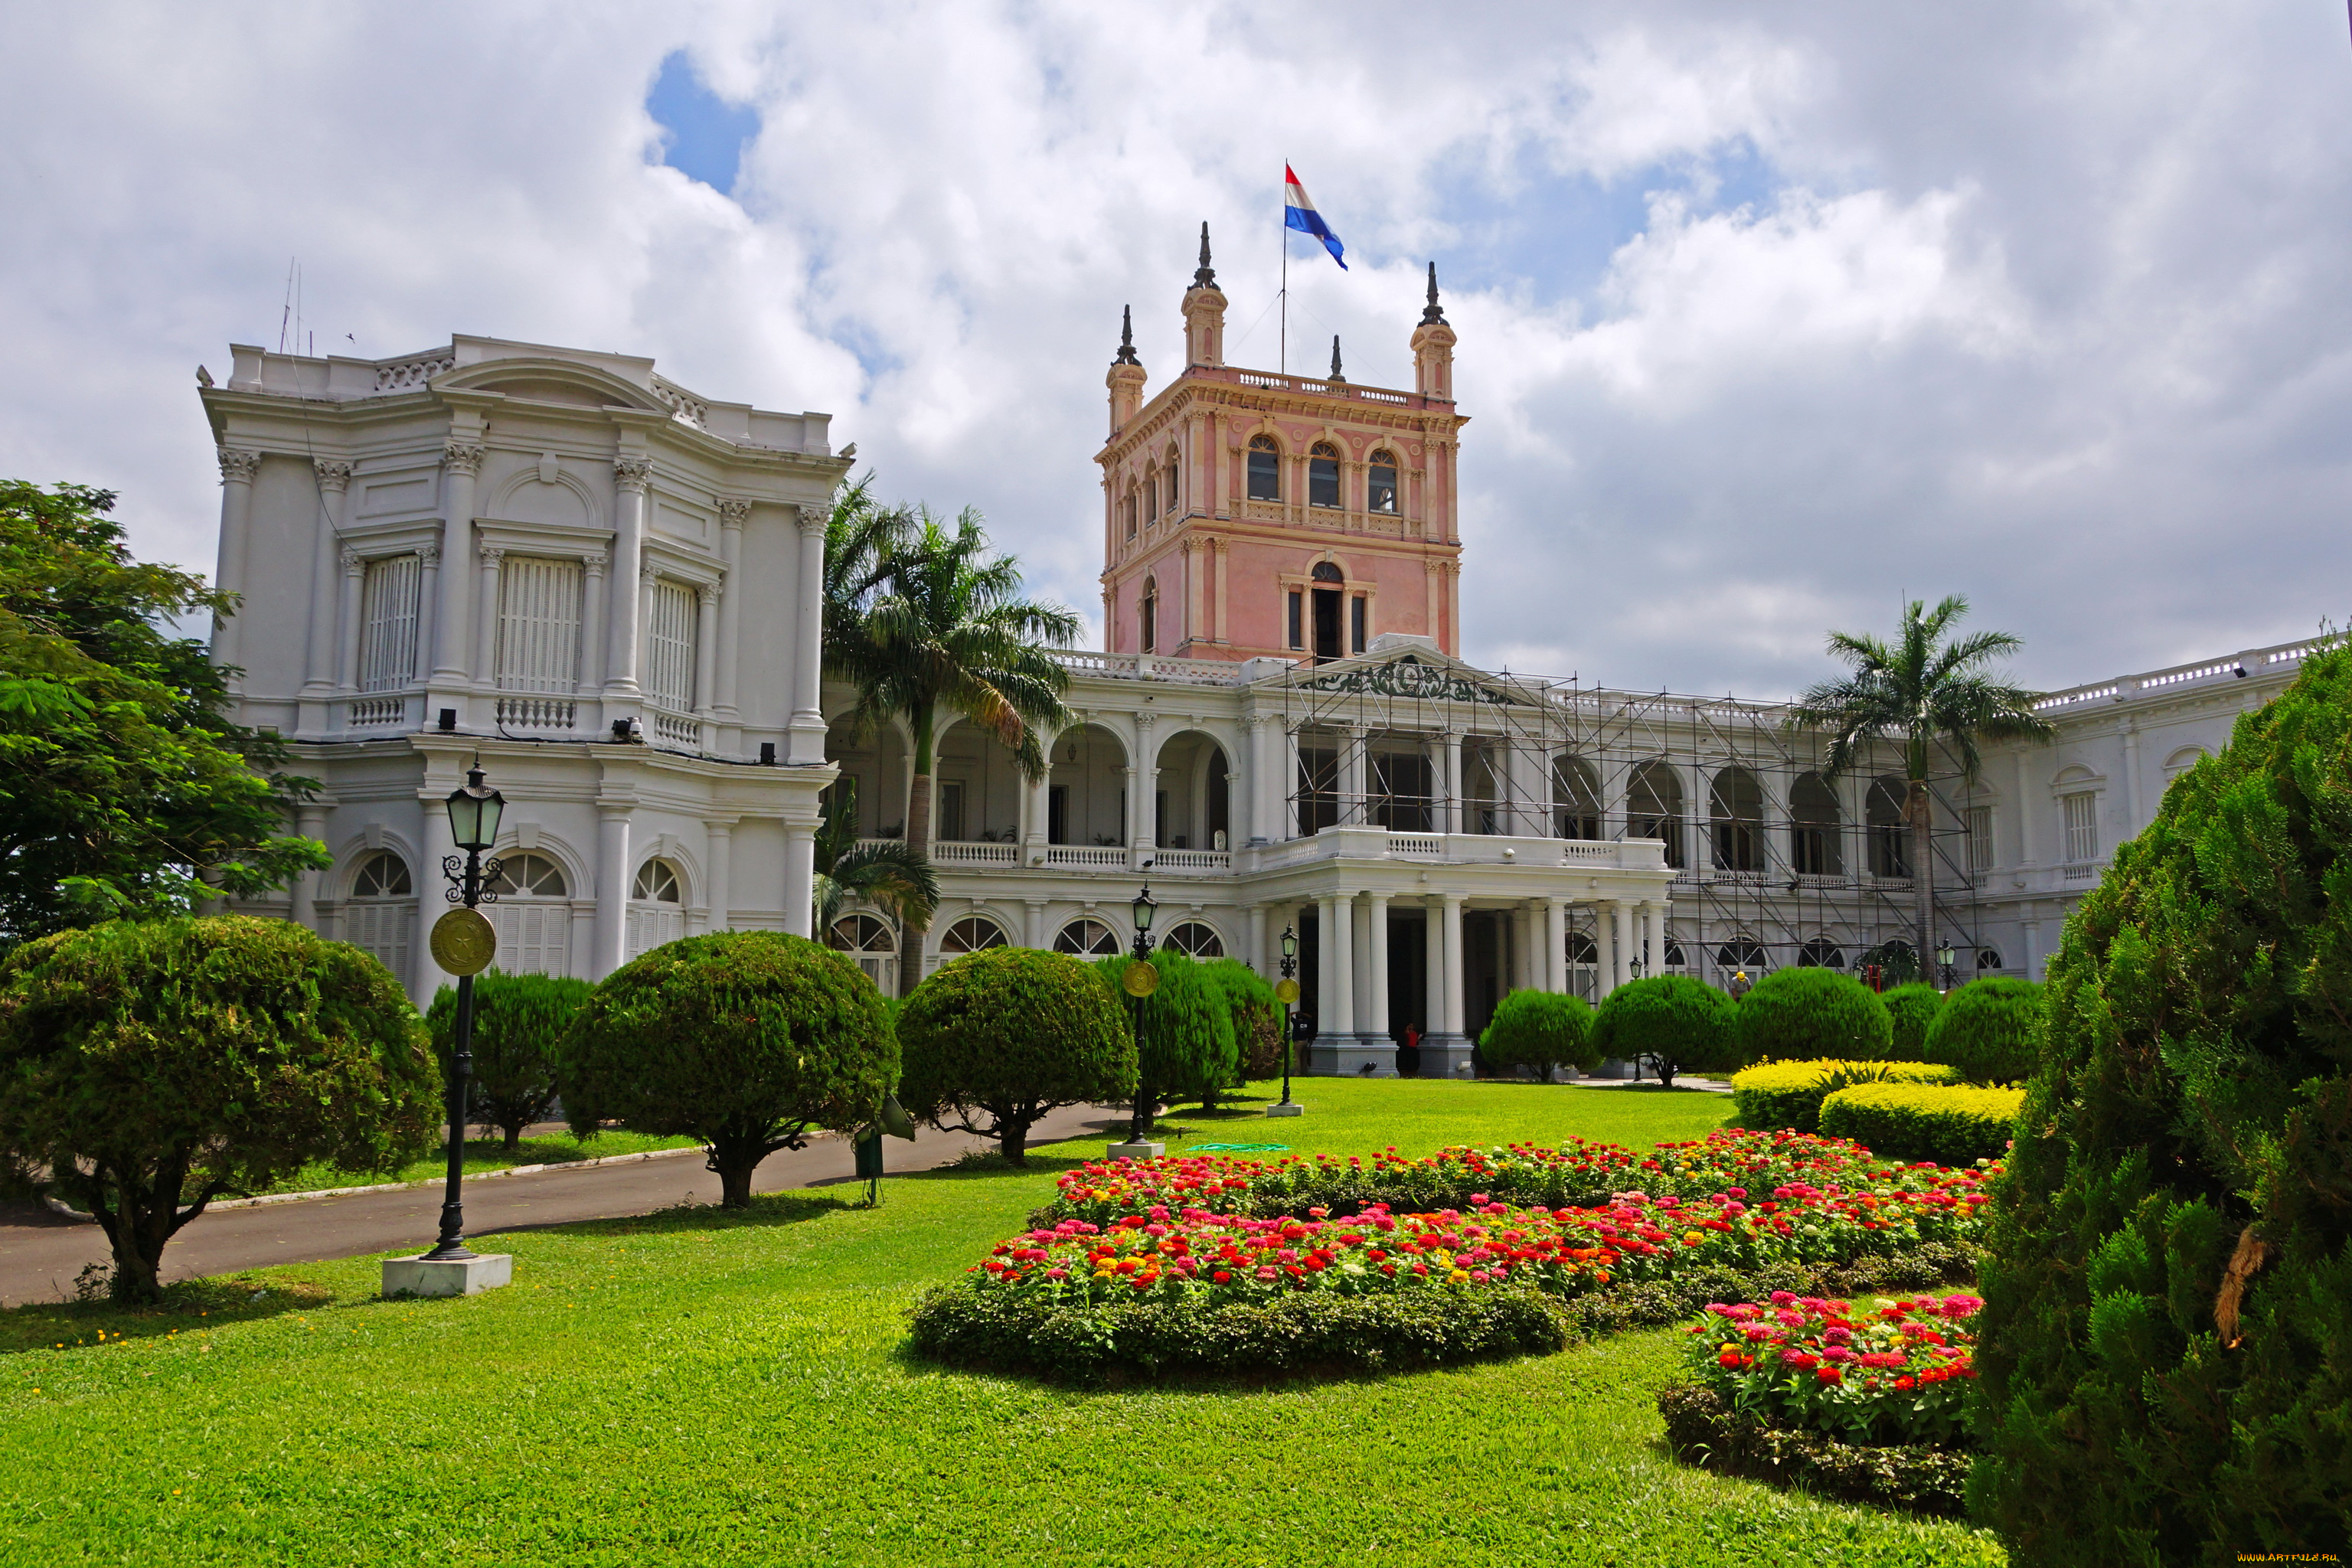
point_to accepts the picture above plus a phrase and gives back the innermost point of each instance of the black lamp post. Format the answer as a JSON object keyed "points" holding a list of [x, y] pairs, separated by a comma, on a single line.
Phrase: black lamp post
{"points": [[1145, 907], [473, 812], [1290, 1009], [1946, 957]]}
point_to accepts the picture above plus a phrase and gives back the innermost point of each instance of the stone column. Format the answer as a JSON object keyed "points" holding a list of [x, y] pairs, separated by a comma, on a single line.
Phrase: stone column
{"points": [[1034, 933], [1351, 775], [1432, 963], [311, 822], [428, 613], [1626, 949], [485, 638], [1377, 1026], [630, 478], [1446, 1053], [1287, 786], [1340, 1010], [318, 646], [1360, 942], [236, 471], [593, 614], [1039, 797], [1326, 988], [440, 844], [706, 653], [2024, 824], [347, 623], [1450, 813], [1604, 940], [808, 647], [1656, 909], [612, 888], [1555, 965], [722, 835], [799, 878], [461, 461], [1256, 916], [732, 515]]}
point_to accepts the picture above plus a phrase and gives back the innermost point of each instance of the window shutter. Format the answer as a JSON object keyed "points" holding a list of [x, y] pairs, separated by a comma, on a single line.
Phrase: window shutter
{"points": [[388, 624], [2082, 826], [539, 625], [669, 646]]}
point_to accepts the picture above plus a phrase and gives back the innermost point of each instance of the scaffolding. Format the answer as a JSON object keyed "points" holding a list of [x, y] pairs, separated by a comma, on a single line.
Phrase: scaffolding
{"points": [[1774, 864]]}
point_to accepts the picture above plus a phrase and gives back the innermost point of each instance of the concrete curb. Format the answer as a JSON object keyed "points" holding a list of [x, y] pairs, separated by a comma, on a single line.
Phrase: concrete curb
{"points": [[58, 1206]]}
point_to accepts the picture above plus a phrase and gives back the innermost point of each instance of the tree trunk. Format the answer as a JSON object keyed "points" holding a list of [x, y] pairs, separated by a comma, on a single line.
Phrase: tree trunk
{"points": [[919, 834], [1012, 1137], [732, 1159], [136, 1225], [513, 1130], [1921, 810]]}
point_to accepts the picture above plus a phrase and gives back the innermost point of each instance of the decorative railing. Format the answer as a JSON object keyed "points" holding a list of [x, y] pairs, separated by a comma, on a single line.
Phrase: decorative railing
{"points": [[403, 375], [368, 713], [2081, 873], [2236, 666], [683, 406], [1422, 845], [1191, 860], [1083, 855], [546, 713], [1151, 667], [961, 853], [677, 728]]}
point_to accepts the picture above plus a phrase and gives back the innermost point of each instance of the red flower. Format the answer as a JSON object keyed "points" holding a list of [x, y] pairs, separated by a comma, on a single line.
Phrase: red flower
{"points": [[1829, 1374]]}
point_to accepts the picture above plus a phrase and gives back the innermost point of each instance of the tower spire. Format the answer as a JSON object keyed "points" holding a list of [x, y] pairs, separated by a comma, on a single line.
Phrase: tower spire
{"points": [[1206, 276], [1431, 315], [1126, 337], [1335, 358]]}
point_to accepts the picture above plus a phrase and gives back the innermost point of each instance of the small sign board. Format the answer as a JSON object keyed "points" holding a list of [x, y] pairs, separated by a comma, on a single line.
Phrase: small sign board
{"points": [[464, 942], [1286, 991], [1140, 979]]}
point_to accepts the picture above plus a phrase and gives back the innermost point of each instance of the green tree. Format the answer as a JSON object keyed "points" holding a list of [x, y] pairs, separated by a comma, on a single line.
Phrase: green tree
{"points": [[1987, 1031], [518, 1023], [890, 874], [125, 789], [1684, 1024], [1014, 1033], [1540, 1030], [1812, 1014], [943, 632], [745, 1039], [1913, 1010], [1921, 690], [153, 1065], [2164, 1375], [1184, 1032], [1257, 1020]]}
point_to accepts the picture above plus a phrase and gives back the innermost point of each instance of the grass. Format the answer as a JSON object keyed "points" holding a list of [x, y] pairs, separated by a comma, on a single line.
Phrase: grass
{"points": [[483, 1155], [700, 1387]]}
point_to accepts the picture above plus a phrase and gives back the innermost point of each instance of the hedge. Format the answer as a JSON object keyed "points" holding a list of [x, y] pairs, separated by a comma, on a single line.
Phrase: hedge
{"points": [[1810, 1014], [1950, 1125], [1257, 1019], [1987, 1031], [1540, 1030], [519, 1024], [1789, 1094], [1912, 1009], [1703, 1429], [1184, 1043]]}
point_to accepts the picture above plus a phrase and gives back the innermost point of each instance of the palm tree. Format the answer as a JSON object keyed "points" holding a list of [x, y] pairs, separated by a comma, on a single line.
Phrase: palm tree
{"points": [[892, 874], [944, 632], [1920, 690]]}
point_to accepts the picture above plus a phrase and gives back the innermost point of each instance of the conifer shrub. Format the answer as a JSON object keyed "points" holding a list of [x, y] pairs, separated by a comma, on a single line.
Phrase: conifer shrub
{"points": [[1776, 1095], [1950, 1124], [1540, 1030], [1685, 1025], [2163, 1359], [1809, 1014], [155, 1066], [745, 1039], [1987, 1031], [1258, 1018], [1911, 1009], [1010, 1034], [1184, 1037], [518, 1021]]}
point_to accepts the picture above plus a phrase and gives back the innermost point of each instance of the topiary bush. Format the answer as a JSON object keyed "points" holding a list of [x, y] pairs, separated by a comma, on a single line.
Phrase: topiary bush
{"points": [[519, 1020], [1540, 1030], [1812, 1014], [1685, 1025], [1952, 1124], [1257, 1019], [1987, 1031], [1776, 1095], [1011, 1033], [1184, 1043], [1911, 1009], [154, 1067], [2166, 1354], [744, 1039]]}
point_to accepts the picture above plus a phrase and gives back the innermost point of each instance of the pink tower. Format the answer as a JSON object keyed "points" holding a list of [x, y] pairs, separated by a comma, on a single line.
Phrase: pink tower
{"points": [[1249, 514]]}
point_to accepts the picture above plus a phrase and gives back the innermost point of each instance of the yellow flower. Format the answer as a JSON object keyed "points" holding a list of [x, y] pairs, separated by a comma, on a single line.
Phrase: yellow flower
{"points": [[1459, 1276], [1693, 1238]]}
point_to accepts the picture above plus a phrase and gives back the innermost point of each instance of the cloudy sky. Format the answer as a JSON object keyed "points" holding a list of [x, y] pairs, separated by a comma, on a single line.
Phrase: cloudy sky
{"points": [[1770, 315]]}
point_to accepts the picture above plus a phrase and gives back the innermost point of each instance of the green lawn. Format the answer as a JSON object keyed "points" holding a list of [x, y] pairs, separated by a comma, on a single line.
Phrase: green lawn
{"points": [[701, 1389], [483, 1155]]}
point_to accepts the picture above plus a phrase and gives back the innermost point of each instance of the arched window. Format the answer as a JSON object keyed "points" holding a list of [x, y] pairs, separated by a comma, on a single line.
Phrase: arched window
{"points": [[1988, 958], [1151, 494], [1088, 939], [1126, 510], [657, 914], [1882, 815], [970, 934], [1674, 959], [1813, 827], [1150, 615], [1575, 799], [1167, 489], [1742, 955], [657, 882], [382, 910], [1381, 488], [1737, 802], [1582, 949], [1325, 571], [532, 916], [1264, 470], [870, 945], [1654, 807], [1323, 474], [1196, 939], [1820, 953]]}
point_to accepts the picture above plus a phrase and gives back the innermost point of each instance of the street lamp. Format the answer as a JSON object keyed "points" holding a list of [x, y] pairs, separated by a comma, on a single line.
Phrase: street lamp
{"points": [[1946, 956], [463, 945], [1140, 981], [1286, 993]]}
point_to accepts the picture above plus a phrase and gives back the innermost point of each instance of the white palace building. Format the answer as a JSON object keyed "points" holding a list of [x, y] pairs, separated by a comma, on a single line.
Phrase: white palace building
{"points": [[608, 588]]}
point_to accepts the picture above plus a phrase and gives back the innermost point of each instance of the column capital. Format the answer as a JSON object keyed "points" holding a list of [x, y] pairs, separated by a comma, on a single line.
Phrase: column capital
{"points": [[237, 465], [593, 562], [733, 511], [428, 555], [353, 563], [462, 457], [632, 474], [709, 594], [809, 520], [492, 554], [334, 475]]}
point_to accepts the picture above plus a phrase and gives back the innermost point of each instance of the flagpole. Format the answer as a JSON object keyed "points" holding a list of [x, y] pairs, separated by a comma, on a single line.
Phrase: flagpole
{"points": [[1282, 357]]}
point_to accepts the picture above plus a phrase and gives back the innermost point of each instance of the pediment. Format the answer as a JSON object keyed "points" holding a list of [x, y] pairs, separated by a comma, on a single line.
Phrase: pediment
{"points": [[1416, 674], [554, 381]]}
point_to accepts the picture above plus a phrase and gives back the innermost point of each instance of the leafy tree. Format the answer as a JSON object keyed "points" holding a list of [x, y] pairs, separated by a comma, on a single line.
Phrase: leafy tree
{"points": [[744, 1039], [1684, 1024], [1012, 1032], [125, 789], [1812, 1013], [2163, 1364], [153, 1065], [1257, 1020], [1542, 1030], [892, 875], [1922, 690], [1184, 1035], [1987, 1031], [1913, 1009], [519, 1024], [943, 631]]}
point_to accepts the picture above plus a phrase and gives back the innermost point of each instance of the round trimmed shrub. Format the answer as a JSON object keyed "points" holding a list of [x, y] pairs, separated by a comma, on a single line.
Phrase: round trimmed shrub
{"points": [[1911, 1009], [1987, 1031], [1011, 1033], [2163, 1375], [519, 1020], [1540, 1030], [1685, 1025], [155, 1066], [745, 1039], [1812, 1014], [1184, 1043], [1257, 1019]]}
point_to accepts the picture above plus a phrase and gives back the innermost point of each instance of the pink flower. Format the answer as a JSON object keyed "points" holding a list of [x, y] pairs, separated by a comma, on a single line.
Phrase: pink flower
{"points": [[1958, 1307], [1782, 1298], [1838, 1337], [1268, 1273]]}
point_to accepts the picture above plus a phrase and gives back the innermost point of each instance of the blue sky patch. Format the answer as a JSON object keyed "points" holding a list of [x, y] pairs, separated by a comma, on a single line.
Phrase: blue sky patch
{"points": [[703, 135]]}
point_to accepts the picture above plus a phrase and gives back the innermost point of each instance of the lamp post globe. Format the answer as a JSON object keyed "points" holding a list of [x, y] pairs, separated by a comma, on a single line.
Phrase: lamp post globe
{"points": [[1289, 1015], [473, 812], [1946, 957]]}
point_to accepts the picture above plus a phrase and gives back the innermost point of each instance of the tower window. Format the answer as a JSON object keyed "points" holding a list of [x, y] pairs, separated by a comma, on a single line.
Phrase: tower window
{"points": [[1297, 620], [1151, 494], [1264, 470], [1323, 474], [1167, 497], [1356, 624], [1382, 488], [1327, 595], [1150, 615], [1129, 506]]}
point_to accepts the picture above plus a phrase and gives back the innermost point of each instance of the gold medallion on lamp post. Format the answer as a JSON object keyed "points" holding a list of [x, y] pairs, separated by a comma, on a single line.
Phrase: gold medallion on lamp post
{"points": [[464, 942], [1140, 979], [1286, 991]]}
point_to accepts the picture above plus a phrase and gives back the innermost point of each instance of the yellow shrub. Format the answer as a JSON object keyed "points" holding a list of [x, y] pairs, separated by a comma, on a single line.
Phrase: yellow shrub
{"points": [[1789, 1094]]}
